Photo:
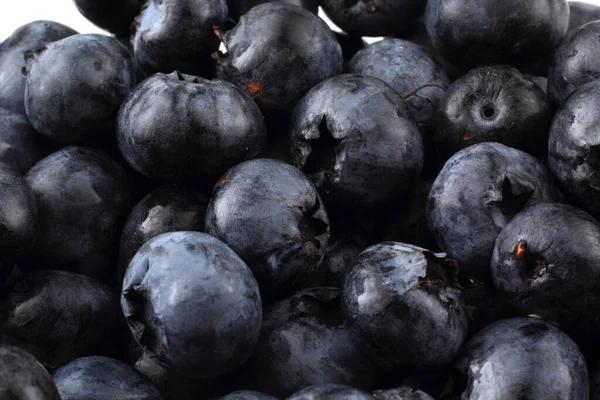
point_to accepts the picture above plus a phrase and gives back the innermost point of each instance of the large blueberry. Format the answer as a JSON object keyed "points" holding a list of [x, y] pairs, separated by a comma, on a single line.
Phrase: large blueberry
{"points": [[356, 139], [83, 198], [402, 393], [103, 378], [20, 145], [22, 377], [581, 13], [113, 15], [76, 85], [404, 302], [270, 214], [522, 358], [330, 392], [276, 53], [479, 190], [192, 303], [175, 127]]}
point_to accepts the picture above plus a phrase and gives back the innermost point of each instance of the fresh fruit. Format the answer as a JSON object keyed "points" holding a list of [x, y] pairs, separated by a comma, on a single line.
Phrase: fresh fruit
{"points": [[23, 377], [113, 15], [581, 13], [330, 392], [20, 146]]}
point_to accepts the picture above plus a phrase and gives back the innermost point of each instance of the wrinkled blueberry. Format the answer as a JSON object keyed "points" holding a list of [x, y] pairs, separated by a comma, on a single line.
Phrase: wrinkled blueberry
{"points": [[581, 13], [76, 85], [175, 127], [331, 392], [192, 303], [20, 146], [247, 395], [271, 215], [113, 15], [402, 393], [479, 190]]}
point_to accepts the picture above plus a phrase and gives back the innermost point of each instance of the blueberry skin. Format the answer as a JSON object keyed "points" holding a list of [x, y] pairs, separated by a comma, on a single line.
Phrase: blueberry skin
{"points": [[404, 301], [83, 198], [374, 18], [402, 393], [177, 35], [357, 141], [114, 16], [59, 316], [479, 190], [523, 358], [247, 395], [492, 104], [574, 148], [409, 69], [192, 303], [581, 13], [169, 208], [574, 62], [179, 127], [237, 8], [271, 215], [25, 39], [304, 342], [103, 378], [276, 53], [330, 392], [515, 32], [76, 85], [22, 377], [20, 146]]}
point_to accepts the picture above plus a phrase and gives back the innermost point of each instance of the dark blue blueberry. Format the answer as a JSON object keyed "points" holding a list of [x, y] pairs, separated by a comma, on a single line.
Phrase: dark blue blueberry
{"points": [[22, 377], [271, 215], [102, 378], [356, 139], [20, 146], [581, 13], [522, 358], [404, 302], [175, 127], [276, 53], [247, 395], [237, 8], [192, 304], [402, 393], [76, 85], [114, 16], [331, 392], [479, 190]]}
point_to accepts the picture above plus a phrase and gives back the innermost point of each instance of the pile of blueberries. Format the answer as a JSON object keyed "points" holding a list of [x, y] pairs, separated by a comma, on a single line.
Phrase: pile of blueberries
{"points": [[225, 199]]}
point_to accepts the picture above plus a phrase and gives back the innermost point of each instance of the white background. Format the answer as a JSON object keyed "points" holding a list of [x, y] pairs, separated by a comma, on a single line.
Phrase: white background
{"points": [[18, 12]]}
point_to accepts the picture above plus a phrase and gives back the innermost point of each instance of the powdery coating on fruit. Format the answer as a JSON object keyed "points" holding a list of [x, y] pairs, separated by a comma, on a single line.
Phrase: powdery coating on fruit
{"points": [[26, 38], [492, 104], [192, 303], [405, 303], [100, 378], [357, 140], [76, 85], [331, 392], [177, 34], [114, 16], [374, 17], [83, 198], [303, 342], [402, 393], [409, 69], [237, 8], [277, 52], [23, 377], [20, 146], [59, 316], [523, 358], [168, 208], [476, 194], [271, 215], [247, 395], [515, 32], [176, 127], [581, 13], [574, 62], [574, 148]]}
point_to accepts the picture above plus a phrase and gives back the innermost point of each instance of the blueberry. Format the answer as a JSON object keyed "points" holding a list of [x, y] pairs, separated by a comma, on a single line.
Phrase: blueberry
{"points": [[176, 127], [270, 214], [402, 393], [237, 8], [192, 303], [341, 254], [177, 35], [83, 198], [515, 32], [479, 190], [25, 39], [22, 377], [409, 69], [404, 301], [581, 13], [331, 392], [247, 395], [114, 16], [59, 316], [574, 148], [20, 146], [574, 62], [357, 140], [168, 208], [492, 104], [102, 378], [522, 358], [276, 53], [76, 85], [303, 342]]}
